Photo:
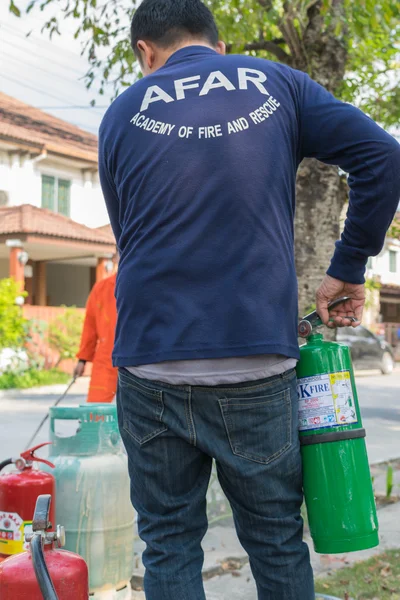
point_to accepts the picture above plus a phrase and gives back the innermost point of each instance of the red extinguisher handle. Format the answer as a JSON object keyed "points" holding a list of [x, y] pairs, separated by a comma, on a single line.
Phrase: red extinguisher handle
{"points": [[29, 455]]}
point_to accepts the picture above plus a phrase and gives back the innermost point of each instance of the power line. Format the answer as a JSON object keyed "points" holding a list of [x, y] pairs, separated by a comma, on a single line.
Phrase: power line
{"points": [[31, 87], [69, 81], [35, 39], [46, 58], [51, 73], [49, 45], [21, 60], [45, 92], [78, 124], [95, 110]]}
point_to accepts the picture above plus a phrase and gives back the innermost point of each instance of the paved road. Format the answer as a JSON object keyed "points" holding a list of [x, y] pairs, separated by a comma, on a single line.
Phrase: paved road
{"points": [[21, 413], [379, 398]]}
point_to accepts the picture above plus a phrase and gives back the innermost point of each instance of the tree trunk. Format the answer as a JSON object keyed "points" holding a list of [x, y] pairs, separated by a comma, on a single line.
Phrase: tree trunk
{"points": [[319, 191], [320, 200]]}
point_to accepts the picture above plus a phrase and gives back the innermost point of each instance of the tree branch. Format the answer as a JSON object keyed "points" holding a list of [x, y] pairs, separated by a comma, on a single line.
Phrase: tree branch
{"points": [[268, 46], [267, 4], [291, 36]]}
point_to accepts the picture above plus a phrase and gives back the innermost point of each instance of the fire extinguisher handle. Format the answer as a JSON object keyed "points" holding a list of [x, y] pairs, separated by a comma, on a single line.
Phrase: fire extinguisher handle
{"points": [[312, 320], [29, 455], [40, 520], [338, 301], [315, 316]]}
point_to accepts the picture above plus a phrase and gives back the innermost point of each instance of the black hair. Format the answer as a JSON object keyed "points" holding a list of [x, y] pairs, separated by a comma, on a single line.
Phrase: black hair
{"points": [[169, 22]]}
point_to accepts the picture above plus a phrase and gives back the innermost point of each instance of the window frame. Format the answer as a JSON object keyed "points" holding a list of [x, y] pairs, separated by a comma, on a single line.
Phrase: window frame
{"points": [[392, 266], [57, 179]]}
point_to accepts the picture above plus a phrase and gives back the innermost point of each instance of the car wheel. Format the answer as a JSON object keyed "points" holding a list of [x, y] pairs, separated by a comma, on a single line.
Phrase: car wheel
{"points": [[387, 363]]}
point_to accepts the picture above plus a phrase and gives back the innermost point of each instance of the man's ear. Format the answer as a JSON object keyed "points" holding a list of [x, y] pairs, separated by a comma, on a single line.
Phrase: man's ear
{"points": [[147, 55], [221, 47]]}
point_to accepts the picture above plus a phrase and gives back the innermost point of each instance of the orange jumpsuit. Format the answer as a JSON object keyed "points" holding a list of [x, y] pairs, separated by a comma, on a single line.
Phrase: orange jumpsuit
{"points": [[98, 340]]}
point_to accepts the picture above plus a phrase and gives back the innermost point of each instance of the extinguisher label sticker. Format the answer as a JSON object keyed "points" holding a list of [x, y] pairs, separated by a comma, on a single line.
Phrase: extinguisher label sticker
{"points": [[326, 401], [12, 529]]}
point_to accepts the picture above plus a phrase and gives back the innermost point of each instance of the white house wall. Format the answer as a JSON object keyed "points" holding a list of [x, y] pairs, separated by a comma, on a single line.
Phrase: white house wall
{"points": [[380, 265], [21, 178]]}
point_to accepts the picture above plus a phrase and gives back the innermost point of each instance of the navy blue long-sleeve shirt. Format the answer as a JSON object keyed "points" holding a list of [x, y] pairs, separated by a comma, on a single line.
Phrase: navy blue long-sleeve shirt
{"points": [[198, 164]]}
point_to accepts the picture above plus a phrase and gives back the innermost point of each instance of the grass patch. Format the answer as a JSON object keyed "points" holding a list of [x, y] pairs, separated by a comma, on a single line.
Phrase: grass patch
{"points": [[375, 579], [31, 378]]}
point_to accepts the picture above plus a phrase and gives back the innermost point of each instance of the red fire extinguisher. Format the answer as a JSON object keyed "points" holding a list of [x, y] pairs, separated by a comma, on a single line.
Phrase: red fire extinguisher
{"points": [[44, 572], [19, 490]]}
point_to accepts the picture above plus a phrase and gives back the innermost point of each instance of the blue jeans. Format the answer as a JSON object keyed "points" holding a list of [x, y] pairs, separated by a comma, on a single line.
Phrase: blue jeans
{"points": [[171, 434]]}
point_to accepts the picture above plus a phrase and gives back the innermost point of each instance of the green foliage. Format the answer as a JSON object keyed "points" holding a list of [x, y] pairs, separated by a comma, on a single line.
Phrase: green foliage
{"points": [[14, 9], [36, 338], [295, 33], [31, 378], [12, 322], [65, 333], [389, 481], [372, 284], [394, 231]]}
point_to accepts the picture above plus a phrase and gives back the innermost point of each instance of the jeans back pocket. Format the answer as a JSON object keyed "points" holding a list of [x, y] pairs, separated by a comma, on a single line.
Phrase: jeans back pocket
{"points": [[142, 409], [259, 428]]}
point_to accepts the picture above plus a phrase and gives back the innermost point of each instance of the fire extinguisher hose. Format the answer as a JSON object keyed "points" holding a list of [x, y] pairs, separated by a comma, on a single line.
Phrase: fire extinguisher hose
{"points": [[39, 565], [5, 463]]}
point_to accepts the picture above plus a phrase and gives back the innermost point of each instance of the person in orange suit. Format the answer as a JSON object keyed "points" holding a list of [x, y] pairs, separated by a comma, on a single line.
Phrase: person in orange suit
{"points": [[98, 340]]}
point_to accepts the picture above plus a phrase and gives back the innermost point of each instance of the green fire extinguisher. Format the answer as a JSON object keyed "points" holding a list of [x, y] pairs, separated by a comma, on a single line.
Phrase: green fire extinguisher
{"points": [[336, 477]]}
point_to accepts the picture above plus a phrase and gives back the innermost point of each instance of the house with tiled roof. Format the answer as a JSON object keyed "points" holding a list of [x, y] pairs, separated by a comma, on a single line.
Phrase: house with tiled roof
{"points": [[54, 232]]}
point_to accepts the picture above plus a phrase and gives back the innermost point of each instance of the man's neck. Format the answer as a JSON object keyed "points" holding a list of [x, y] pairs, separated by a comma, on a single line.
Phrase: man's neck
{"points": [[186, 44]]}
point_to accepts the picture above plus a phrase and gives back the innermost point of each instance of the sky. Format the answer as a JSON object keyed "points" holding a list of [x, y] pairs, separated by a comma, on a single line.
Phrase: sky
{"points": [[46, 74]]}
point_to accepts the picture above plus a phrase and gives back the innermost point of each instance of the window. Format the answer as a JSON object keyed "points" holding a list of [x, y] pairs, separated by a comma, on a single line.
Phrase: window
{"points": [[392, 261], [55, 194]]}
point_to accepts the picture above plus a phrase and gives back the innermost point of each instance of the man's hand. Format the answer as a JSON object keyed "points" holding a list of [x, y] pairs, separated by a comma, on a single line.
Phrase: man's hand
{"points": [[79, 369], [331, 289]]}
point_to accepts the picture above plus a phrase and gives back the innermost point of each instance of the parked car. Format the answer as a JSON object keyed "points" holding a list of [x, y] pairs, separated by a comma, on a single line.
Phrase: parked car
{"points": [[368, 351]]}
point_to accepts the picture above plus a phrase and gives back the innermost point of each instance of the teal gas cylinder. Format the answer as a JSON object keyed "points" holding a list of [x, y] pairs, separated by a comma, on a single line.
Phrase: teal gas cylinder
{"points": [[336, 477], [93, 495]]}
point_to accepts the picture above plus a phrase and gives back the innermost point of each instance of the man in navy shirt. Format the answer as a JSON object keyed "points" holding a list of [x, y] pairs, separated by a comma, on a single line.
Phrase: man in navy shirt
{"points": [[198, 165]]}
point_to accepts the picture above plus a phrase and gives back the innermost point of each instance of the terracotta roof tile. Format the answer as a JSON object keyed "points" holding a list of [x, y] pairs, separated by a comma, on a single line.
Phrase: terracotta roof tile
{"points": [[28, 219], [106, 229], [24, 123]]}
